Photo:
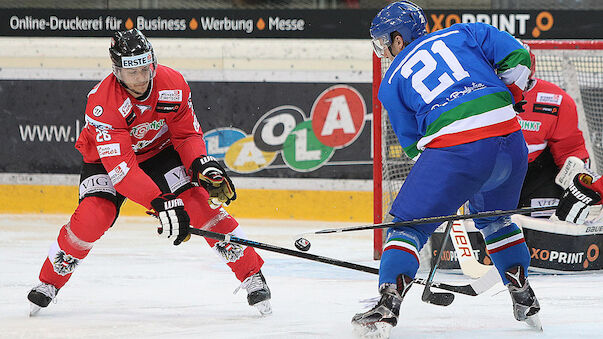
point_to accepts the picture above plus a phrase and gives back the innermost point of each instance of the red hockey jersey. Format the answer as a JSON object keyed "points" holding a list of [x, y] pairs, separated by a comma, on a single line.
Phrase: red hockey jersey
{"points": [[550, 120], [122, 132]]}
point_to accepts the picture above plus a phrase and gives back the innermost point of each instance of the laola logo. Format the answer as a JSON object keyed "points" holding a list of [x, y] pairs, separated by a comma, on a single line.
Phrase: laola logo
{"points": [[243, 156], [338, 116], [336, 121]]}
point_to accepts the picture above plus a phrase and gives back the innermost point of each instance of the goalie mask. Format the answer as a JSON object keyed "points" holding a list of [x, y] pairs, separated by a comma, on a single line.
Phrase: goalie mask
{"points": [[532, 60], [131, 52], [403, 17]]}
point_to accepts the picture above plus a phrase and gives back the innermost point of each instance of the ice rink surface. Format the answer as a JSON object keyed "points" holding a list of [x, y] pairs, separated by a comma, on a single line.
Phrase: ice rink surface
{"points": [[137, 285]]}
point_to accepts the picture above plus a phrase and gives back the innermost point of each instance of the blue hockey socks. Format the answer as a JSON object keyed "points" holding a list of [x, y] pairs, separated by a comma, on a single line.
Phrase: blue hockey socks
{"points": [[507, 248]]}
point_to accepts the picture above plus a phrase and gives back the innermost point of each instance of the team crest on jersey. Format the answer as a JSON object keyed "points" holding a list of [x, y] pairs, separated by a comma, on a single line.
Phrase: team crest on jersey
{"points": [[125, 108], [229, 251], [173, 95], [143, 108], [549, 98], [97, 111], [64, 263]]}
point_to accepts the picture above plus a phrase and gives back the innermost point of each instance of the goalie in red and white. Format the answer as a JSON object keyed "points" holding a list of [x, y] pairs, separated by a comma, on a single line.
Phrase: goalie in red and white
{"points": [[142, 141], [549, 123], [558, 168]]}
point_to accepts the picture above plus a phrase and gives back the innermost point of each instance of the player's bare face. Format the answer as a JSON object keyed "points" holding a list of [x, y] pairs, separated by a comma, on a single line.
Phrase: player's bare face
{"points": [[396, 47], [137, 79]]}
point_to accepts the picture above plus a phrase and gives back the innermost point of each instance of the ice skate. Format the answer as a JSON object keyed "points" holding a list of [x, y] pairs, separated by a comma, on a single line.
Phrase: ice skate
{"points": [[525, 304], [40, 296], [258, 293], [379, 321]]}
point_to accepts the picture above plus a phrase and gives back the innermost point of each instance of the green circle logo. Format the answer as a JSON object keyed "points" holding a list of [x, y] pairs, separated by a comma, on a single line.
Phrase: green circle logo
{"points": [[302, 151]]}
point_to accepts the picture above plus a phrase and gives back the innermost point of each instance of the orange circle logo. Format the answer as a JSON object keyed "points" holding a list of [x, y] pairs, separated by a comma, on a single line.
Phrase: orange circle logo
{"points": [[592, 254], [544, 22]]}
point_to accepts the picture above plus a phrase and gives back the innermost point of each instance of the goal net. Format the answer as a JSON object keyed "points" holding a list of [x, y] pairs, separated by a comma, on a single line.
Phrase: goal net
{"points": [[575, 66]]}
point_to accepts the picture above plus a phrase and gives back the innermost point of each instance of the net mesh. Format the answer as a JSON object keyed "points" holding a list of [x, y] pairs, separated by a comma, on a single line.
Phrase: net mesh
{"points": [[578, 72]]}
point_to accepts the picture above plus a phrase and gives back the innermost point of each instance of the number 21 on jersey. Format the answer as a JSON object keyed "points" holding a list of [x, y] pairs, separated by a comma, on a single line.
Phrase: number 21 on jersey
{"points": [[429, 66]]}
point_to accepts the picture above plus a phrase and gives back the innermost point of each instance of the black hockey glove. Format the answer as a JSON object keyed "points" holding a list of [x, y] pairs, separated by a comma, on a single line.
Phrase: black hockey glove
{"points": [[577, 199], [207, 172], [174, 220], [518, 107]]}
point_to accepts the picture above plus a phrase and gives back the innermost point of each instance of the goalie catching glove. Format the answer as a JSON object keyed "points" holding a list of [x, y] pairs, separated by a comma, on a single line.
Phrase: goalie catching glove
{"points": [[207, 172], [577, 199], [169, 209]]}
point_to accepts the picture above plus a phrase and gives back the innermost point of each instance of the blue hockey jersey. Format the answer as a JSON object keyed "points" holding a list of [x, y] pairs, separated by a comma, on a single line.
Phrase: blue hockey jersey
{"points": [[455, 86]]}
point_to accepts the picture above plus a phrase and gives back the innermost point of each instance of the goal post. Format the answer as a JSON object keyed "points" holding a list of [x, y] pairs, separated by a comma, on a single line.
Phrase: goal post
{"points": [[574, 65]]}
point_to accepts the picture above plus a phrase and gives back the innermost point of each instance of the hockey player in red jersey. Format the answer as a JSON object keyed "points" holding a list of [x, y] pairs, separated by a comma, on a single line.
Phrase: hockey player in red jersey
{"points": [[550, 126], [142, 141]]}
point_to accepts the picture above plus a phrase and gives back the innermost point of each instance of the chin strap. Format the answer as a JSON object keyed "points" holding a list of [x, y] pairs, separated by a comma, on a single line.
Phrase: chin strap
{"points": [[143, 95]]}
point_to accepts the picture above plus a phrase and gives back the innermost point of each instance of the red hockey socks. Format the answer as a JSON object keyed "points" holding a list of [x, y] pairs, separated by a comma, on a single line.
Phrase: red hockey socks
{"points": [[242, 260], [91, 219]]}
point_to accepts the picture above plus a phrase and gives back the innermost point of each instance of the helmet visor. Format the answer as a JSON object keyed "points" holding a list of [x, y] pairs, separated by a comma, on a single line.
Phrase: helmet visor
{"points": [[131, 66], [379, 45], [134, 74]]}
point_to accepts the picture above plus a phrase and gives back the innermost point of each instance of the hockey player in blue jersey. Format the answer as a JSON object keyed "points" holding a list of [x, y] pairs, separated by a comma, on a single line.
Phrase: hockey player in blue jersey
{"points": [[452, 97]]}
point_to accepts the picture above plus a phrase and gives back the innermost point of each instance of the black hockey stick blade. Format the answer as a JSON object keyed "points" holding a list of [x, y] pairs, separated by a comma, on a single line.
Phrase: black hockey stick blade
{"points": [[437, 298], [472, 289], [441, 299]]}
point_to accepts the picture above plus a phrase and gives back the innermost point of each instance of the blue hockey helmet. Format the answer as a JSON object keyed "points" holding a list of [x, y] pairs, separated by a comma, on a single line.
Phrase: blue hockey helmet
{"points": [[403, 17]]}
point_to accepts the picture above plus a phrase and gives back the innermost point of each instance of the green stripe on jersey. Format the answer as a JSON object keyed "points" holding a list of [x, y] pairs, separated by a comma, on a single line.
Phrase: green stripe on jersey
{"points": [[412, 151], [467, 109]]}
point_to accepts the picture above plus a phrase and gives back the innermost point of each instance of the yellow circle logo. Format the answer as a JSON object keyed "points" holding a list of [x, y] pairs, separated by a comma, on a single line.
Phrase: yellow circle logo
{"points": [[244, 157]]}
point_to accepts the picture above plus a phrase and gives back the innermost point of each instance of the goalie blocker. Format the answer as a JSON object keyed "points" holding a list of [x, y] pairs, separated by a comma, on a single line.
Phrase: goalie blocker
{"points": [[555, 246]]}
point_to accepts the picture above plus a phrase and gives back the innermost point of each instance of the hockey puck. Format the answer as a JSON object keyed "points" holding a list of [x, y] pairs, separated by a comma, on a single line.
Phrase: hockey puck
{"points": [[302, 244]]}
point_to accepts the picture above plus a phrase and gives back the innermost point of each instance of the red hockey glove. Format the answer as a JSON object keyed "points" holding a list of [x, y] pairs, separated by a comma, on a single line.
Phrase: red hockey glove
{"points": [[174, 220], [577, 199], [207, 172]]}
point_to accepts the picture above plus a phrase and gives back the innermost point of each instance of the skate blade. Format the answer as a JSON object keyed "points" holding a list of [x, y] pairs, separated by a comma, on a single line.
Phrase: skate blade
{"points": [[34, 309], [264, 307], [534, 322], [378, 330]]}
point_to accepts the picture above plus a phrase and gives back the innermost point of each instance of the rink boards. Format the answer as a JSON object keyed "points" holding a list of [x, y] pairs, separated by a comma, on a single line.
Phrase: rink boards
{"points": [[555, 246], [258, 198]]}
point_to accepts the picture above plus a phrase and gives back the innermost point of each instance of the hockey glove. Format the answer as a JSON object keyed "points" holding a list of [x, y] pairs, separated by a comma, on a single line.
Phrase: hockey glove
{"points": [[207, 172], [518, 107], [174, 220], [577, 199]]}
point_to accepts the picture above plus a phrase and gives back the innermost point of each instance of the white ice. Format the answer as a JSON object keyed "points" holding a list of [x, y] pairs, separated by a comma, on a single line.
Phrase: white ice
{"points": [[137, 285]]}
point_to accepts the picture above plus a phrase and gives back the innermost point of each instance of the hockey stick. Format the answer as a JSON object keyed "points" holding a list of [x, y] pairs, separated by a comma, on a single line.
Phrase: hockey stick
{"points": [[440, 298], [472, 289], [464, 252], [430, 220]]}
